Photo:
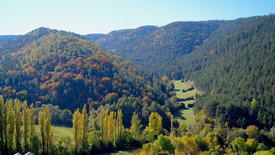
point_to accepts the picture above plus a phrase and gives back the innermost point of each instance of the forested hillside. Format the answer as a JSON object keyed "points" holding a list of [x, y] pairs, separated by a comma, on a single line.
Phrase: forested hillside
{"points": [[54, 67], [151, 47], [8, 37], [232, 58], [236, 68], [47, 76]]}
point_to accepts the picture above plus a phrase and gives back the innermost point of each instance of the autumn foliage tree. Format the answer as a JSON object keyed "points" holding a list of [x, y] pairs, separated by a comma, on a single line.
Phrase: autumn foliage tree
{"points": [[80, 130], [46, 130]]}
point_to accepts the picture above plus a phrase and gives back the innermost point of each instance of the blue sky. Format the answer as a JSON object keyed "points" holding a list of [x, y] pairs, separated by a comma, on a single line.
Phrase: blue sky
{"points": [[103, 16]]}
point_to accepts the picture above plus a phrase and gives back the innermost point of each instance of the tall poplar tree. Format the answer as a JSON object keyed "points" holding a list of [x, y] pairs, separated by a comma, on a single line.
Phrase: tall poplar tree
{"points": [[46, 130], [10, 126], [76, 130], [17, 125], [84, 124], [2, 122], [26, 126], [136, 126]]}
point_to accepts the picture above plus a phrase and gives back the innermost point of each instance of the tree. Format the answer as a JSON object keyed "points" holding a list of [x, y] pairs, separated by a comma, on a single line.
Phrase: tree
{"points": [[239, 145], [155, 122], [165, 145], [262, 147], [119, 125], [253, 103], [252, 131], [190, 146], [136, 126], [17, 125], [26, 126], [3, 122], [154, 127], [84, 123], [34, 139], [63, 145], [251, 146], [10, 125], [263, 153], [76, 129], [172, 124], [46, 131], [80, 130]]}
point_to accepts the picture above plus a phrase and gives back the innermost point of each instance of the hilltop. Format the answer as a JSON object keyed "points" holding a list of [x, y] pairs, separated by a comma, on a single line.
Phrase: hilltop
{"points": [[48, 66]]}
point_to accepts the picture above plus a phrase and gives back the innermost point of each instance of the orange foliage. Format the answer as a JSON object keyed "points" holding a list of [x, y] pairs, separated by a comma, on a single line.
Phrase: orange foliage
{"points": [[125, 92], [55, 85], [110, 97]]}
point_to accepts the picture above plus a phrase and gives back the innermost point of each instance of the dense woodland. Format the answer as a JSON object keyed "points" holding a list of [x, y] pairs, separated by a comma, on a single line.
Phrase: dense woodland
{"points": [[50, 77], [65, 70], [8, 37], [236, 68], [151, 47], [233, 63]]}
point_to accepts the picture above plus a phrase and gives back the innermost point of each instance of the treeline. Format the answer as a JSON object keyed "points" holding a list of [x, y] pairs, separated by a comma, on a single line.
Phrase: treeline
{"points": [[23, 130], [104, 131], [18, 131]]}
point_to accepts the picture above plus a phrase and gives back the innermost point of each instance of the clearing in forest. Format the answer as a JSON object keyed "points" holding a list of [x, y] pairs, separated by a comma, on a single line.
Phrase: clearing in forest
{"points": [[186, 92]]}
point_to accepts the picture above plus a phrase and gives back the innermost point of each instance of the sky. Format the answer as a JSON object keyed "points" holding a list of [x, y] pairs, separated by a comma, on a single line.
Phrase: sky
{"points": [[103, 16]]}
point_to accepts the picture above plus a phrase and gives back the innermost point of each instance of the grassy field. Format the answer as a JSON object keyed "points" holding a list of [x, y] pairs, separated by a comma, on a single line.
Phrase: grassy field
{"points": [[129, 152], [185, 115], [59, 131]]}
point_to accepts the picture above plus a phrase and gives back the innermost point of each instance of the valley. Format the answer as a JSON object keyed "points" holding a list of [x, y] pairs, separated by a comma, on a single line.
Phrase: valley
{"points": [[115, 92]]}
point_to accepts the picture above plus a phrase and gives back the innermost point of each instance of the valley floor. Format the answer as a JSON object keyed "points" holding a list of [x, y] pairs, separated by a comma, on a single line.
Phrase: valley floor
{"points": [[185, 115]]}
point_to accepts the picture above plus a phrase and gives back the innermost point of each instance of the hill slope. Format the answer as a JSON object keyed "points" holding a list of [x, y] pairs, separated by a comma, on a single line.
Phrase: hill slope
{"points": [[8, 37], [60, 68], [232, 60], [151, 47], [236, 65]]}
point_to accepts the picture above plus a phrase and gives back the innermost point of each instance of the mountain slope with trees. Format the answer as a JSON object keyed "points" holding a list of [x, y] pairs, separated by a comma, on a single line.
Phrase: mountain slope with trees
{"points": [[55, 67], [152, 48], [233, 60], [8, 37], [236, 68]]}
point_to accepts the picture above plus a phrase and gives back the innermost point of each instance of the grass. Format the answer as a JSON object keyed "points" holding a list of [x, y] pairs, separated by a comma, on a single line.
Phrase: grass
{"points": [[59, 131], [185, 115], [128, 152]]}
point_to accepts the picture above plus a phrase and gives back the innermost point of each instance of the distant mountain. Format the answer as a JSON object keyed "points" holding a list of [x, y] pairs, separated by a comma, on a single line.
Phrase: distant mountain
{"points": [[49, 66], [151, 47], [93, 37], [8, 37]]}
